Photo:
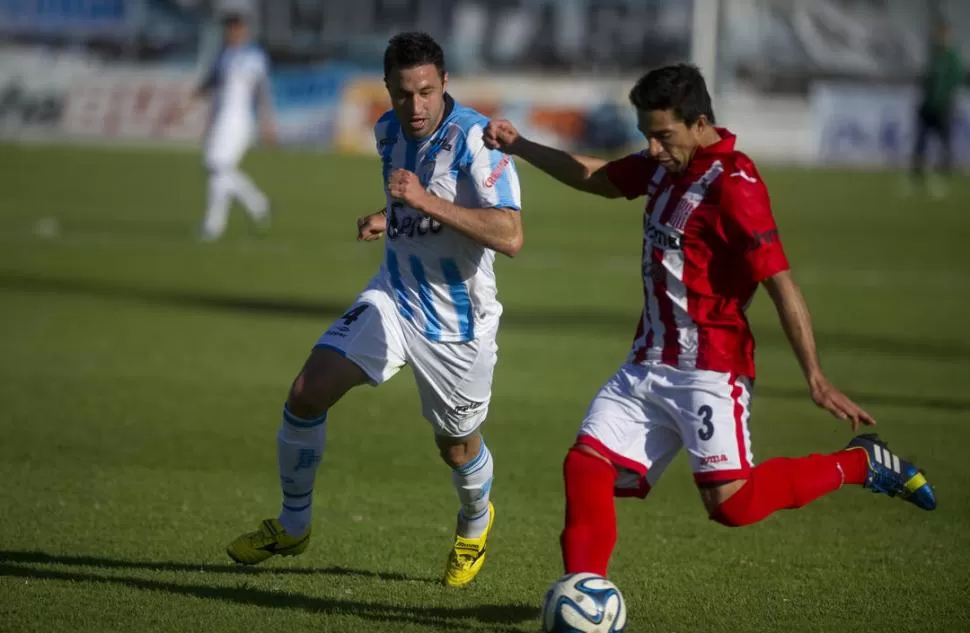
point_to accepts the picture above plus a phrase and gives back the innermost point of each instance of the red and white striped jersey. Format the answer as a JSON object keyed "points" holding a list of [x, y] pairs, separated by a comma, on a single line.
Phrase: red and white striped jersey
{"points": [[709, 239]]}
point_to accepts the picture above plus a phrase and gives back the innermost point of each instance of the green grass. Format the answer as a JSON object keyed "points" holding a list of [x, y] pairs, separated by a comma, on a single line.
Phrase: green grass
{"points": [[142, 374]]}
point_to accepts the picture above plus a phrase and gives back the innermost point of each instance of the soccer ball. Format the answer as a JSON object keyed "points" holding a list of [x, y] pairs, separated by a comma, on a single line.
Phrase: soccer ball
{"points": [[583, 603]]}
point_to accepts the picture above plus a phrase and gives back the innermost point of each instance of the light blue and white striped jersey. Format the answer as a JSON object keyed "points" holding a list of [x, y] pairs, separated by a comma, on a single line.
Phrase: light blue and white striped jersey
{"points": [[236, 77], [444, 282]]}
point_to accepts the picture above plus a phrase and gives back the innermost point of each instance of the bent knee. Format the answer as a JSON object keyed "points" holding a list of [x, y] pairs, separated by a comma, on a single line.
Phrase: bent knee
{"points": [[716, 500], [459, 452], [325, 378], [307, 397]]}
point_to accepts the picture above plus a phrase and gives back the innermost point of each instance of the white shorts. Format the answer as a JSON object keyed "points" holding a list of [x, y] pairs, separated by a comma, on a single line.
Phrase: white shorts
{"points": [[226, 144], [454, 379], [644, 414]]}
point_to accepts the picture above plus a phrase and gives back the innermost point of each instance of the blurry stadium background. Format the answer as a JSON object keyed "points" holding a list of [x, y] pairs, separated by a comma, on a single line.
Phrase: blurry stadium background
{"points": [[142, 373], [823, 81]]}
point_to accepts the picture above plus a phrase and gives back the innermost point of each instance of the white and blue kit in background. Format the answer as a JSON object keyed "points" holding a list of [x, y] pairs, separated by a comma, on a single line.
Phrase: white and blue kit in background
{"points": [[236, 79], [433, 303]]}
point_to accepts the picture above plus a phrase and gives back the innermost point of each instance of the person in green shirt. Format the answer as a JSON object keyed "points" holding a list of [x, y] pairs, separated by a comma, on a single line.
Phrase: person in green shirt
{"points": [[942, 80]]}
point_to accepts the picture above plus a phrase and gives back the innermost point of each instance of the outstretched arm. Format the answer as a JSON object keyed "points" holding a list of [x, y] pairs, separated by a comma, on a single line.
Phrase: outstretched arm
{"points": [[585, 173]]}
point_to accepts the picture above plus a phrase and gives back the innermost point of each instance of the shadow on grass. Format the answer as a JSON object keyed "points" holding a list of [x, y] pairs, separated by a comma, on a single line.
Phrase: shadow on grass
{"points": [[487, 617], [111, 563], [579, 320]]}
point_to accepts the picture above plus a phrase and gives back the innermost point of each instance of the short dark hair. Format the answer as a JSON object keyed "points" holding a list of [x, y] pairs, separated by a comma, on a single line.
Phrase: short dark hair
{"points": [[407, 50], [680, 87], [232, 18]]}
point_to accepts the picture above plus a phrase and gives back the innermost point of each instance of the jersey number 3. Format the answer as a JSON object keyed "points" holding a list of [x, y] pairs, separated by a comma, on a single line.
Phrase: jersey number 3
{"points": [[706, 432]]}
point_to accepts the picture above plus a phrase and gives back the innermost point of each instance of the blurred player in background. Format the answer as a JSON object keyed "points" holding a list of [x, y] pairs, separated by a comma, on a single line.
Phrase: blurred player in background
{"points": [[709, 240], [239, 90], [451, 204], [941, 84]]}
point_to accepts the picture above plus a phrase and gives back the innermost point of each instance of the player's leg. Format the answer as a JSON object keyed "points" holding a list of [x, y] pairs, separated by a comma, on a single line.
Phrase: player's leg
{"points": [[217, 204], [623, 447], [938, 183], [362, 346], [714, 410], [946, 141], [918, 167], [222, 150], [455, 385], [253, 200]]}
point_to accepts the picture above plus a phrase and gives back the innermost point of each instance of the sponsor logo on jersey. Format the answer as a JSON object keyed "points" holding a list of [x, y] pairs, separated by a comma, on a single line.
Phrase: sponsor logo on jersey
{"points": [[713, 459], [465, 409], [762, 238], [401, 223], [497, 172], [668, 241]]}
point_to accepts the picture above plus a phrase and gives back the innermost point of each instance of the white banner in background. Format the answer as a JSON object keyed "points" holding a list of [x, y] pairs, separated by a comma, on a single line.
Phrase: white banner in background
{"points": [[876, 126]]}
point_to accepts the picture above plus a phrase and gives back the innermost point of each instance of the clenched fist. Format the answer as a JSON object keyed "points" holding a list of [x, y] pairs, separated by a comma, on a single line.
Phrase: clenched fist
{"points": [[371, 227], [501, 135], [405, 186]]}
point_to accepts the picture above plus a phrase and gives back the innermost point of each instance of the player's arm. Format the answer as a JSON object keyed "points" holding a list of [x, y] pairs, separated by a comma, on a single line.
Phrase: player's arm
{"points": [[265, 107], [585, 173], [498, 228], [797, 323], [750, 226], [201, 92]]}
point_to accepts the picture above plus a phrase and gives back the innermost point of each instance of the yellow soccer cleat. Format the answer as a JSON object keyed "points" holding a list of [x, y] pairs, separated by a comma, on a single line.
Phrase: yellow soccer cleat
{"points": [[269, 540], [467, 556]]}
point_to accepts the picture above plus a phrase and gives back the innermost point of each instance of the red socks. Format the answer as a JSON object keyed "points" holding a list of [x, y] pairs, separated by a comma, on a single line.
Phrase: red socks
{"points": [[590, 533], [784, 483], [781, 483]]}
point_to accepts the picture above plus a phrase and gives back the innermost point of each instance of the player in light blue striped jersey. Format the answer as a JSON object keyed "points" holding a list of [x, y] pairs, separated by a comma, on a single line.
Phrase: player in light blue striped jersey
{"points": [[451, 204]]}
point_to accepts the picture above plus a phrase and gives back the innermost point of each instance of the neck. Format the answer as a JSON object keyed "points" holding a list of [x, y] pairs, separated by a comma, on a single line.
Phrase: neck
{"points": [[710, 137]]}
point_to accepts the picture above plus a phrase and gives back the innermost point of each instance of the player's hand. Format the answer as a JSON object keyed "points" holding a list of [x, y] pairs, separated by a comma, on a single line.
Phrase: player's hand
{"points": [[501, 135], [838, 404], [405, 186], [371, 227]]}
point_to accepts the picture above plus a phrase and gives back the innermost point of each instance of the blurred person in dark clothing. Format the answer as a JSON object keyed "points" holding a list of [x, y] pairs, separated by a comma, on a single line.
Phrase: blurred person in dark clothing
{"points": [[941, 82]]}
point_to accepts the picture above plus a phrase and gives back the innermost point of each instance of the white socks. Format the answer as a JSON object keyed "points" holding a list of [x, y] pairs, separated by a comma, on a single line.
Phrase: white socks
{"points": [[299, 444], [473, 482]]}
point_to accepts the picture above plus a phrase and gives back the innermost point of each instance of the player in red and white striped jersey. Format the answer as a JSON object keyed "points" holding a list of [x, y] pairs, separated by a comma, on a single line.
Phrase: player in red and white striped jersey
{"points": [[709, 240]]}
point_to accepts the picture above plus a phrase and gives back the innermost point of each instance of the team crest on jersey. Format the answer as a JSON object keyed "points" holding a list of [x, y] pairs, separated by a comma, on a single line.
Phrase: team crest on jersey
{"points": [[693, 197]]}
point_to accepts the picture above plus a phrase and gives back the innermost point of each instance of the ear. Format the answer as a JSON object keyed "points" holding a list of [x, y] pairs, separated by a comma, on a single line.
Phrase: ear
{"points": [[701, 124], [444, 81]]}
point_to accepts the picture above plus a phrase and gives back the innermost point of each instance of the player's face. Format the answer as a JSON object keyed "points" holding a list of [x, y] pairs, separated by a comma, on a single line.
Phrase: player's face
{"points": [[418, 98], [235, 33], [672, 142]]}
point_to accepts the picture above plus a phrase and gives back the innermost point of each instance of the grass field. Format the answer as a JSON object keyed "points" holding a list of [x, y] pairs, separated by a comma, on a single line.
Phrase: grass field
{"points": [[142, 374]]}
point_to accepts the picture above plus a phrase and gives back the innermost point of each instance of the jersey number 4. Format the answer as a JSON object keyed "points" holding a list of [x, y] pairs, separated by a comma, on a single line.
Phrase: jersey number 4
{"points": [[354, 313]]}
